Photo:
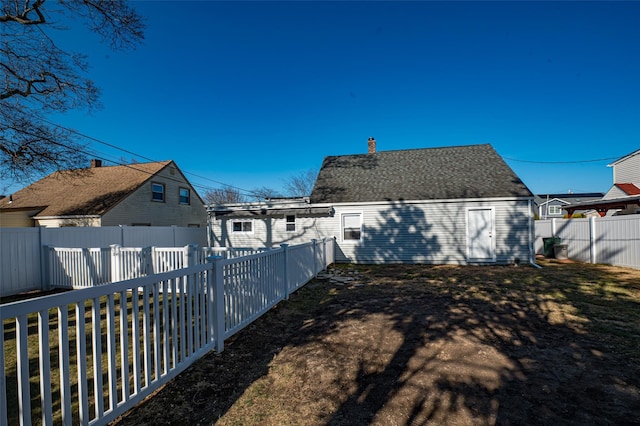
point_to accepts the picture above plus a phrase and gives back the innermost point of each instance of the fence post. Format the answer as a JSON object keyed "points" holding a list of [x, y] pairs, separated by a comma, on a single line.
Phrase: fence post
{"points": [[315, 257], [116, 263], [324, 253], [45, 262], [553, 227], [215, 286], [592, 240], [150, 260], [189, 255], [285, 267], [173, 228]]}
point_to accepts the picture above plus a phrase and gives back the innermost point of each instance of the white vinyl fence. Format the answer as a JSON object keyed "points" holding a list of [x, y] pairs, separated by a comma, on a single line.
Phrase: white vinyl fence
{"points": [[612, 240], [23, 265], [76, 268], [136, 334]]}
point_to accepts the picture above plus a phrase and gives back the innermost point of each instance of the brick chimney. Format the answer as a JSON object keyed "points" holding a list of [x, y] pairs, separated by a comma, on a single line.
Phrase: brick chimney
{"points": [[372, 145], [96, 163]]}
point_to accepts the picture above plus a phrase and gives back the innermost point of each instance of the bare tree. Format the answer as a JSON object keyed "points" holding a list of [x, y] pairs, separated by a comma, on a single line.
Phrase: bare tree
{"points": [[224, 195], [264, 192], [37, 78], [301, 185]]}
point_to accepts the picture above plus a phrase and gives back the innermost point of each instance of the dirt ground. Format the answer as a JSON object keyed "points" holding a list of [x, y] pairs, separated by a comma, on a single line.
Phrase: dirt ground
{"points": [[400, 345]]}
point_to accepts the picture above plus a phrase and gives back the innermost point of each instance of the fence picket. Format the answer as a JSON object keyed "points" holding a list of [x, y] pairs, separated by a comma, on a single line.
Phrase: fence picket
{"points": [[65, 376], [111, 351], [146, 340], [175, 318], [124, 342], [44, 362], [24, 395], [174, 324], [135, 338], [97, 357], [81, 359], [165, 326]]}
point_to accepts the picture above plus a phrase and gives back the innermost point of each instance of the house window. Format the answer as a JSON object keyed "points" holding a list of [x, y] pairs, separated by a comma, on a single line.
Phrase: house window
{"points": [[351, 226], [184, 196], [555, 210], [157, 192], [290, 223], [242, 226]]}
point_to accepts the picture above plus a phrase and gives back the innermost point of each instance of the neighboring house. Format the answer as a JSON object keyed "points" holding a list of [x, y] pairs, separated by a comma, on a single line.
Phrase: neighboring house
{"points": [[265, 224], [624, 195], [548, 206], [144, 194], [454, 205]]}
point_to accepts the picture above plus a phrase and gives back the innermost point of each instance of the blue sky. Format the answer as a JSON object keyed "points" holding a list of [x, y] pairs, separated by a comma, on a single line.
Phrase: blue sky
{"points": [[249, 93]]}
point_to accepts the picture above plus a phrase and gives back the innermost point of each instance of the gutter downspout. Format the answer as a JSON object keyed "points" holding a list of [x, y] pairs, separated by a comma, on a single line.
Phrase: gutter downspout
{"points": [[532, 255]]}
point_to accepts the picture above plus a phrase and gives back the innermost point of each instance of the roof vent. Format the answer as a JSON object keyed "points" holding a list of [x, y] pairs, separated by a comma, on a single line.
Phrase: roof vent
{"points": [[96, 163]]}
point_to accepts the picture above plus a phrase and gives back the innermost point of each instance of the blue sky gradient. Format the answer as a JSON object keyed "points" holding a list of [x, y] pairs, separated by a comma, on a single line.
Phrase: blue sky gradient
{"points": [[249, 93]]}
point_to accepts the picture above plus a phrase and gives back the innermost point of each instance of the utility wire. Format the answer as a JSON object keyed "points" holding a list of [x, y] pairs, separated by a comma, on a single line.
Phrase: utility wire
{"points": [[131, 166], [561, 162], [245, 191]]}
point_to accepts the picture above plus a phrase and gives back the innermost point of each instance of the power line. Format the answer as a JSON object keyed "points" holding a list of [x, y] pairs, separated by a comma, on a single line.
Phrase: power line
{"points": [[133, 167], [562, 162], [246, 191], [93, 152]]}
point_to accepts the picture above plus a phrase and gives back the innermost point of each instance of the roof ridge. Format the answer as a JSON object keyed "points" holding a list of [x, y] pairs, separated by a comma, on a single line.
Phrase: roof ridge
{"points": [[415, 149]]}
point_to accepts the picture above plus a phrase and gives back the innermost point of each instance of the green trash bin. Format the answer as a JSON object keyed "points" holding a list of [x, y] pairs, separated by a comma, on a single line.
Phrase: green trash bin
{"points": [[548, 244]]}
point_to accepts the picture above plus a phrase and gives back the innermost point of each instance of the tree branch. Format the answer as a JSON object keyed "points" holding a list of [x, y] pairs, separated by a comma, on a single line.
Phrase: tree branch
{"points": [[23, 18]]}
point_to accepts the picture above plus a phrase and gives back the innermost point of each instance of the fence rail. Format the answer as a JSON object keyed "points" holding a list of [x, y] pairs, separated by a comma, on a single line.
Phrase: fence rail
{"points": [[612, 240], [96, 352]]}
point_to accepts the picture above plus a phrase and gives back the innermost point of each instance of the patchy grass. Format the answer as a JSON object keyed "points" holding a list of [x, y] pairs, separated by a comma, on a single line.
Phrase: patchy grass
{"points": [[33, 342], [410, 344]]}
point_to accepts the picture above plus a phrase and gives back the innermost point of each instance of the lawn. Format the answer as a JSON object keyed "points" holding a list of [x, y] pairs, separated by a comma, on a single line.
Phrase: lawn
{"points": [[410, 344]]}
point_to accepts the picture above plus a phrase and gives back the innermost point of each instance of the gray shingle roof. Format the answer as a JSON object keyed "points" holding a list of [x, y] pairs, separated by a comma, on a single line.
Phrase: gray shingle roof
{"points": [[473, 171]]}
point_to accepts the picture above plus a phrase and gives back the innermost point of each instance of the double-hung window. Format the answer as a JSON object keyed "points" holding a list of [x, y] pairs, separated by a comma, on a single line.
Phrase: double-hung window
{"points": [[245, 226], [555, 210], [157, 192], [290, 223], [351, 226], [184, 196]]}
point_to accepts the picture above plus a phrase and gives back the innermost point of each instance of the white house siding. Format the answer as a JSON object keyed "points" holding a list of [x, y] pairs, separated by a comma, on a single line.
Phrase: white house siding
{"points": [[269, 232], [431, 232], [614, 193], [62, 222], [139, 209], [406, 232], [628, 170]]}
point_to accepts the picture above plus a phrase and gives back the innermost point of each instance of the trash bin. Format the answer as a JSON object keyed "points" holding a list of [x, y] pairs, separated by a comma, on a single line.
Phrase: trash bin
{"points": [[548, 244], [561, 251]]}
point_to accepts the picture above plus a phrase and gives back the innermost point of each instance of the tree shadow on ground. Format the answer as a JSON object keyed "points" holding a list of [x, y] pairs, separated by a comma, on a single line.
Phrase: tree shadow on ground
{"points": [[411, 344], [472, 353]]}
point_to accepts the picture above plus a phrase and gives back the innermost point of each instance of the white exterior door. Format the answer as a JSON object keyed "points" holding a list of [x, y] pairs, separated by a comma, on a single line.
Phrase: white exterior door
{"points": [[480, 235]]}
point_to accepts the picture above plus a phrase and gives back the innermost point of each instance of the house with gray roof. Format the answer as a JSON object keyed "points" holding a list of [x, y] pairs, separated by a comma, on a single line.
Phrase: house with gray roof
{"points": [[449, 205], [549, 206], [142, 194]]}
